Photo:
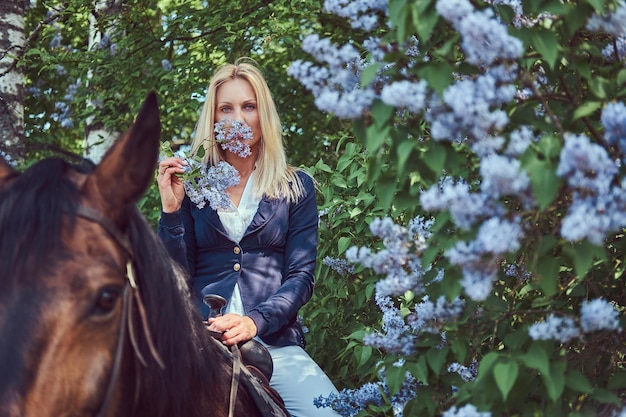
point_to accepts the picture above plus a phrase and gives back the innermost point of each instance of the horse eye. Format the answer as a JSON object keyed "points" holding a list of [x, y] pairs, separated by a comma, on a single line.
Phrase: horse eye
{"points": [[106, 300]]}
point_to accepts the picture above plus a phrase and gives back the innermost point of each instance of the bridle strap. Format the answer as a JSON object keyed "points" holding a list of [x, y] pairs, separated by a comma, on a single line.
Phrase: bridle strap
{"points": [[130, 298], [95, 216], [117, 362], [234, 383]]}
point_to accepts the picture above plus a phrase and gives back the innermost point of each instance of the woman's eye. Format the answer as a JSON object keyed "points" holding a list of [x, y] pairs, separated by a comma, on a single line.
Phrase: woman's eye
{"points": [[249, 107], [106, 300], [225, 109]]}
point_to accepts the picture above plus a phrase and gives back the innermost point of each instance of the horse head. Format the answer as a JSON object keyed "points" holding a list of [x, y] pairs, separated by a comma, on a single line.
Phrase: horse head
{"points": [[63, 274]]}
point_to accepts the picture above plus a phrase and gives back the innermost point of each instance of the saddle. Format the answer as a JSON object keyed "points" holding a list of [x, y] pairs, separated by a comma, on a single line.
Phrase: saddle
{"points": [[257, 368]]}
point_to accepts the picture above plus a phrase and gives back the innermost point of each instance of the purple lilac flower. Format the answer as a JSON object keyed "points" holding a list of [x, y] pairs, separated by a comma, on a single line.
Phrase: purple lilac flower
{"points": [[431, 316], [341, 266], [562, 329], [484, 39], [465, 110], [465, 207], [519, 140], [232, 136], [614, 122], [598, 314], [467, 373], [612, 22], [466, 411], [400, 265], [212, 186], [362, 14], [349, 402], [617, 52], [503, 176], [166, 64], [405, 94], [396, 337], [586, 165]]}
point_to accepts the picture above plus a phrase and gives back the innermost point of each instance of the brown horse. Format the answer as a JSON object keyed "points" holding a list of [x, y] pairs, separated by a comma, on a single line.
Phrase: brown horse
{"points": [[95, 320]]}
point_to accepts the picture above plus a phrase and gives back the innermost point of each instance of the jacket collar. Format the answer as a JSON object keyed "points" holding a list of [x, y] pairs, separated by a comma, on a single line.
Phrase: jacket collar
{"points": [[266, 210]]}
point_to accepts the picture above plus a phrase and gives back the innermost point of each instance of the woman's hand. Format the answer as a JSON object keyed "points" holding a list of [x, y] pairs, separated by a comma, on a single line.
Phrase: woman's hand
{"points": [[234, 328], [171, 187]]}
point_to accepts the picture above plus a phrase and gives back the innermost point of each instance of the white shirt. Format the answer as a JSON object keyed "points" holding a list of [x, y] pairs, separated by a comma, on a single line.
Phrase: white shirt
{"points": [[236, 220]]}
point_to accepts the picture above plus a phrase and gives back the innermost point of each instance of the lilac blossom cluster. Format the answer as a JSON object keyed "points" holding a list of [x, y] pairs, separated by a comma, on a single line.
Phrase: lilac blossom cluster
{"points": [[211, 187], [362, 14], [467, 410], [431, 317], [497, 234], [485, 39], [350, 402], [336, 88], [232, 136], [614, 52], [613, 22], [467, 373], [479, 259], [340, 266], [595, 315], [614, 123], [396, 336], [598, 206], [470, 109], [399, 260]]}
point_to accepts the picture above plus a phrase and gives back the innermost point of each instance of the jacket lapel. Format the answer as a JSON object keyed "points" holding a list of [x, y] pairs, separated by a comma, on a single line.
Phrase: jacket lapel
{"points": [[266, 210]]}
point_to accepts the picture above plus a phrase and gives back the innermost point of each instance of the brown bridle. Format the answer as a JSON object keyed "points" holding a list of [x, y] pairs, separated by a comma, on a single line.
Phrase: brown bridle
{"points": [[130, 299]]}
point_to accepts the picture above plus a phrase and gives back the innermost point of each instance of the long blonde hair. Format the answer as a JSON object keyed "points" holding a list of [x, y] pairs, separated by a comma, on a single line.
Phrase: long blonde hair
{"points": [[274, 177]]}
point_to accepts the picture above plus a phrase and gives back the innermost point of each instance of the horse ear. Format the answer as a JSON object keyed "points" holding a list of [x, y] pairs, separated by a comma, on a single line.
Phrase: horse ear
{"points": [[127, 169]]}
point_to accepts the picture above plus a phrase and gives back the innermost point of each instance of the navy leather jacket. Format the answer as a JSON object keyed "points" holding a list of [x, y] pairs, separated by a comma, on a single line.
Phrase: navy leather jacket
{"points": [[274, 263]]}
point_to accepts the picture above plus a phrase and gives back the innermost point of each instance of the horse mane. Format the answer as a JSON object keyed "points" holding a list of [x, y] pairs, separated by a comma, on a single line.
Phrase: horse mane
{"points": [[33, 209], [178, 335], [31, 215]]}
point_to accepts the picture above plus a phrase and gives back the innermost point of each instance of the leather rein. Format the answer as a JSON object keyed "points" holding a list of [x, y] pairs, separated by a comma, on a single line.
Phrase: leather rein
{"points": [[131, 301]]}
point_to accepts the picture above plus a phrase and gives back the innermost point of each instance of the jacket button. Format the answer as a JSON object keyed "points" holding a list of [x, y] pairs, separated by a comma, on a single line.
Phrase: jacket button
{"points": [[237, 267], [236, 250]]}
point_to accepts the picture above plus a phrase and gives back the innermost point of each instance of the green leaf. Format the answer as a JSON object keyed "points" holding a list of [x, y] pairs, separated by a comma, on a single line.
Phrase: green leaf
{"points": [[435, 157], [554, 381], [418, 369], [486, 364], [621, 77], [586, 109], [343, 243], [546, 43], [583, 255], [438, 75], [548, 271], [425, 18], [505, 374], [394, 378], [606, 396], [536, 358], [578, 382], [369, 73], [436, 358], [544, 181], [382, 114], [617, 381]]}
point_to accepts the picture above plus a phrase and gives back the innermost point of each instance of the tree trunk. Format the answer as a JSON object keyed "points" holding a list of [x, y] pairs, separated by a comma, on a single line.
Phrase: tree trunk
{"points": [[12, 43], [97, 138]]}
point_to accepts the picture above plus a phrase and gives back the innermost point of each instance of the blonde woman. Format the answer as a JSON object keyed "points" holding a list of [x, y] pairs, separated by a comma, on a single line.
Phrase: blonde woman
{"points": [[259, 251]]}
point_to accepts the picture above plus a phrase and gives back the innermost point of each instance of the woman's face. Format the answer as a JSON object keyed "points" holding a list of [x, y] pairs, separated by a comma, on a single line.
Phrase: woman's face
{"points": [[235, 99]]}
